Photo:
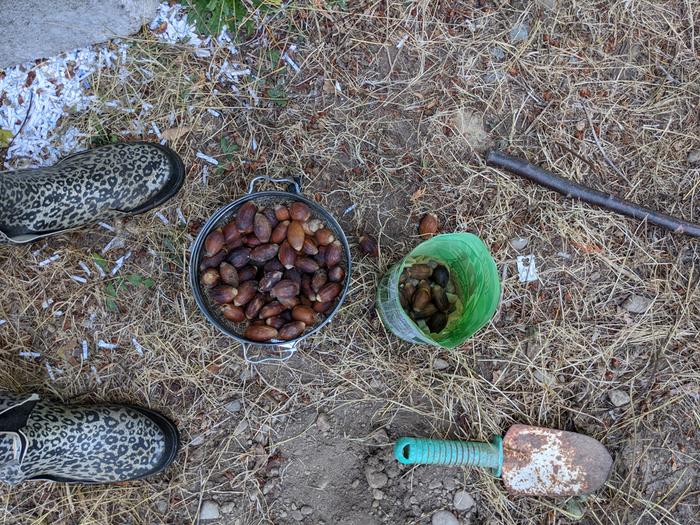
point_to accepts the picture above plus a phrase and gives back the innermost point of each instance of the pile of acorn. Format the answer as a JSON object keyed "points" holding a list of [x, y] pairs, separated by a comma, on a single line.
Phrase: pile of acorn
{"points": [[277, 271], [428, 295]]}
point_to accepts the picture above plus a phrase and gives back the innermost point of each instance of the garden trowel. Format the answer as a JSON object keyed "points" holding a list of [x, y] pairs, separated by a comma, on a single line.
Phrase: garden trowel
{"points": [[532, 461]]}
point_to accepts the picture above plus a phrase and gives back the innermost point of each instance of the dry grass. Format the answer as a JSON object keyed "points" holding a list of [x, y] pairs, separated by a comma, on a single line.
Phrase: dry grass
{"points": [[604, 93]]}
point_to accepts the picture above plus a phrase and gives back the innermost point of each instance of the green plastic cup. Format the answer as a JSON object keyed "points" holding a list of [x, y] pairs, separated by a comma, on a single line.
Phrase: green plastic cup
{"points": [[474, 273]]}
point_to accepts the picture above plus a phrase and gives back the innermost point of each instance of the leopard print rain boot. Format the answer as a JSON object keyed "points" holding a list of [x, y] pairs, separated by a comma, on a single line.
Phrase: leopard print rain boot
{"points": [[42, 440], [97, 184]]}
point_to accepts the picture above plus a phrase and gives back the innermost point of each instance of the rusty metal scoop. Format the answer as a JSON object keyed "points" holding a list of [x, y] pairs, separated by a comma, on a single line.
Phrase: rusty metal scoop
{"points": [[532, 461]]}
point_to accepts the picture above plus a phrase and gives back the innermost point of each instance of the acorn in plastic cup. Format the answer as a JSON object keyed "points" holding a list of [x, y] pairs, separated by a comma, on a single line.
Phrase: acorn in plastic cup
{"points": [[428, 226]]}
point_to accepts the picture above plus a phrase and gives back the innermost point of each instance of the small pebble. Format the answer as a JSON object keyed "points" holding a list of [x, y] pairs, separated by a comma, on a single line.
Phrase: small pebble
{"points": [[377, 480], [694, 157], [440, 364], [618, 397], [297, 515], [210, 511], [435, 484], [197, 440], [162, 506], [463, 501], [519, 32], [241, 427], [444, 517], [519, 243], [322, 422], [233, 406], [377, 494], [636, 304], [450, 484], [269, 486], [228, 508], [306, 510]]}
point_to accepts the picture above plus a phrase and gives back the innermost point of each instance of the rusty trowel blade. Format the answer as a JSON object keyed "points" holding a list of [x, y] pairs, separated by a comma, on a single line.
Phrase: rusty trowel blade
{"points": [[545, 462]]}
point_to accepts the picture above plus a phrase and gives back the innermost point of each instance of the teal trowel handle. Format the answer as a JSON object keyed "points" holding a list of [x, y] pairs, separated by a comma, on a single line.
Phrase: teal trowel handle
{"points": [[420, 451]]}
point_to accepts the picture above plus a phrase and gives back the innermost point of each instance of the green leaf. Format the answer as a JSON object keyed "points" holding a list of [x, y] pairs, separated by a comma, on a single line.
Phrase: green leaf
{"points": [[110, 290], [277, 96], [5, 138], [111, 305], [134, 279], [148, 282], [100, 261], [274, 55]]}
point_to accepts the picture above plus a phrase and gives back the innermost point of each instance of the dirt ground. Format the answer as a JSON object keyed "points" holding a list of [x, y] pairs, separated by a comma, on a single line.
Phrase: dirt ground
{"points": [[389, 117]]}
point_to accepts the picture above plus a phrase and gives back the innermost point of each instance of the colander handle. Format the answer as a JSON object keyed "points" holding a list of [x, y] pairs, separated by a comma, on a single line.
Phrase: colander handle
{"points": [[294, 185], [288, 351]]}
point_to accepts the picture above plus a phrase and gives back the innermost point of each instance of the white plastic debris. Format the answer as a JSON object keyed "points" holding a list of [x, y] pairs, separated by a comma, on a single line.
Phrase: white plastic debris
{"points": [[30, 355], [97, 377], [401, 42], [137, 346], [291, 62], [99, 269], [50, 371], [106, 345], [78, 279], [53, 258], [106, 226], [162, 218], [2, 322], [527, 270], [84, 347], [181, 217], [58, 313], [45, 304], [85, 268], [120, 262], [207, 158]]}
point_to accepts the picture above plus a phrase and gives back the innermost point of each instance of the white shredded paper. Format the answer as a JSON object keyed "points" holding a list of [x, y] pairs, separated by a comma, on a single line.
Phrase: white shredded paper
{"points": [[162, 218], [106, 345], [85, 268], [45, 304], [84, 346], [53, 258], [97, 377], [2, 322], [106, 226], [50, 370], [527, 271], [207, 158], [78, 279], [137, 346], [120, 262], [181, 217], [31, 355], [99, 269]]}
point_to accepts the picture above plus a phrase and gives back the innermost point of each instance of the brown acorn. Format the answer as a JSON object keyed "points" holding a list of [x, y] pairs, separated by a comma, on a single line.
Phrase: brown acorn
{"points": [[273, 265], [251, 241], [428, 225], [421, 298], [231, 233], [304, 314], [441, 275], [213, 261], [210, 277], [293, 274], [229, 274], [270, 214], [324, 236], [323, 308], [319, 279], [279, 234], [285, 288], [262, 227], [305, 301], [260, 333], [269, 280], [291, 330], [287, 255], [233, 313], [282, 213], [295, 235], [253, 307], [276, 322], [328, 292], [320, 257], [437, 322], [271, 309], [336, 274], [263, 253], [369, 246], [247, 273], [440, 298], [334, 254], [306, 264], [427, 311], [245, 217], [299, 212], [309, 247], [239, 257], [289, 302], [214, 242], [223, 294], [306, 288], [246, 291], [419, 271]]}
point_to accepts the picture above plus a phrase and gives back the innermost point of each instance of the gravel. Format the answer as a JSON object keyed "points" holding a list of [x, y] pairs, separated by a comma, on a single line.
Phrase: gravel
{"points": [[444, 517], [210, 511], [322, 422], [694, 157], [519, 32], [306, 510], [618, 397], [637, 304], [519, 243], [233, 406], [463, 501], [440, 364], [377, 480], [241, 427]]}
